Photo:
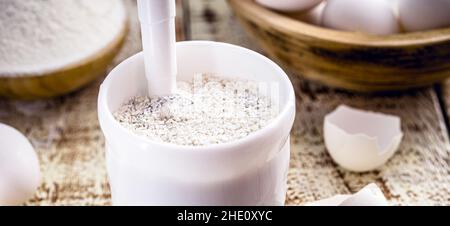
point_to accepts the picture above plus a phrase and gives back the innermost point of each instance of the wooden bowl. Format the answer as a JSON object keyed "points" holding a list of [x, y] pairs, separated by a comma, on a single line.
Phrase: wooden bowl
{"points": [[349, 60], [64, 80]]}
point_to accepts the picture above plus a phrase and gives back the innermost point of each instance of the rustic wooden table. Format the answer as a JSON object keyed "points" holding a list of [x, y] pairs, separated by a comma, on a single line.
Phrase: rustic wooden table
{"points": [[67, 136]]}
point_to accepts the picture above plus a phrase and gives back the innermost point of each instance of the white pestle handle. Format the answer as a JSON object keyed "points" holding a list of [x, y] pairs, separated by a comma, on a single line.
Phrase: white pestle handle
{"points": [[157, 19]]}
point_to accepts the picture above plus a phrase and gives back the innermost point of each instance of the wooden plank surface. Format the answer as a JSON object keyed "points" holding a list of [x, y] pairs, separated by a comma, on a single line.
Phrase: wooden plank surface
{"points": [[417, 175], [69, 142]]}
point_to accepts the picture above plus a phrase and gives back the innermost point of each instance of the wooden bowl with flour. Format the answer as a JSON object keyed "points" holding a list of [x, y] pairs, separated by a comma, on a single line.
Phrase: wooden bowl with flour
{"points": [[349, 60], [85, 60]]}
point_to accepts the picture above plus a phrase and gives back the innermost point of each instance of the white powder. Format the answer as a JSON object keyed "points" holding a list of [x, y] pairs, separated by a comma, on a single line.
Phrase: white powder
{"points": [[39, 36], [208, 110]]}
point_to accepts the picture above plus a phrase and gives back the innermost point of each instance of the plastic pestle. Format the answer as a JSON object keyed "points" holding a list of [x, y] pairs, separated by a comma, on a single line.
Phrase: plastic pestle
{"points": [[157, 18]]}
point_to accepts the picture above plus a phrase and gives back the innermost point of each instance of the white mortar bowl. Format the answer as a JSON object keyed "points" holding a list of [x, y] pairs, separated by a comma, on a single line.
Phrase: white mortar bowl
{"points": [[249, 171]]}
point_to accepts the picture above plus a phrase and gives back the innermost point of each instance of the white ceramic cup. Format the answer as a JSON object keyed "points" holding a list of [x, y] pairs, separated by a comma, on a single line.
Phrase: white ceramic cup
{"points": [[249, 171]]}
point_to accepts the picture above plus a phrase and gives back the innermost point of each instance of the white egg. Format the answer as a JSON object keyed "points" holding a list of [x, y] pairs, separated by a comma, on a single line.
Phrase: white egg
{"points": [[368, 16], [19, 167], [289, 5], [312, 16], [419, 15], [359, 140]]}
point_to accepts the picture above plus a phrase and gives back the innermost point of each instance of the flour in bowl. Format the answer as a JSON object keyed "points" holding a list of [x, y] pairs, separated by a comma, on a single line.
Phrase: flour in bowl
{"points": [[208, 110], [37, 36]]}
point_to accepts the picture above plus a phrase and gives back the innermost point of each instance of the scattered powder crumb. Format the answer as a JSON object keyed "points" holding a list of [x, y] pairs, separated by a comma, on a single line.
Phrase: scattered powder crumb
{"points": [[208, 110]]}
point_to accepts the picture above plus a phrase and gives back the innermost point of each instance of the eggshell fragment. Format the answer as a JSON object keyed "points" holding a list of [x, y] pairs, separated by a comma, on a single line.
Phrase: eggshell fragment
{"points": [[368, 16], [333, 201], [371, 195], [359, 140], [19, 167], [289, 5], [419, 15]]}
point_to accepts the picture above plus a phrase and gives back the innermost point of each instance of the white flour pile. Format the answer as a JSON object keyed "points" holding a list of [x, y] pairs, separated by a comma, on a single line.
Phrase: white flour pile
{"points": [[209, 110], [38, 36]]}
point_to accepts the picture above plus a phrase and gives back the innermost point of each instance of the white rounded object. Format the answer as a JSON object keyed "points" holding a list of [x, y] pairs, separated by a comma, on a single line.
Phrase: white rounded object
{"points": [[20, 174], [289, 5], [144, 172], [371, 195], [419, 15], [369, 16], [359, 140]]}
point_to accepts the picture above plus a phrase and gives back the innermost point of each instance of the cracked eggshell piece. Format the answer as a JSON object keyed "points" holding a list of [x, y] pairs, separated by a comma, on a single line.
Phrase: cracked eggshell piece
{"points": [[20, 174], [289, 5], [359, 140], [333, 201], [371, 195]]}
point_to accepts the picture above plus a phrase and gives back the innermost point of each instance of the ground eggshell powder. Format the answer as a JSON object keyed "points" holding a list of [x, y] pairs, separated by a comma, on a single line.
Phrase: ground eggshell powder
{"points": [[39, 36], [208, 110]]}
